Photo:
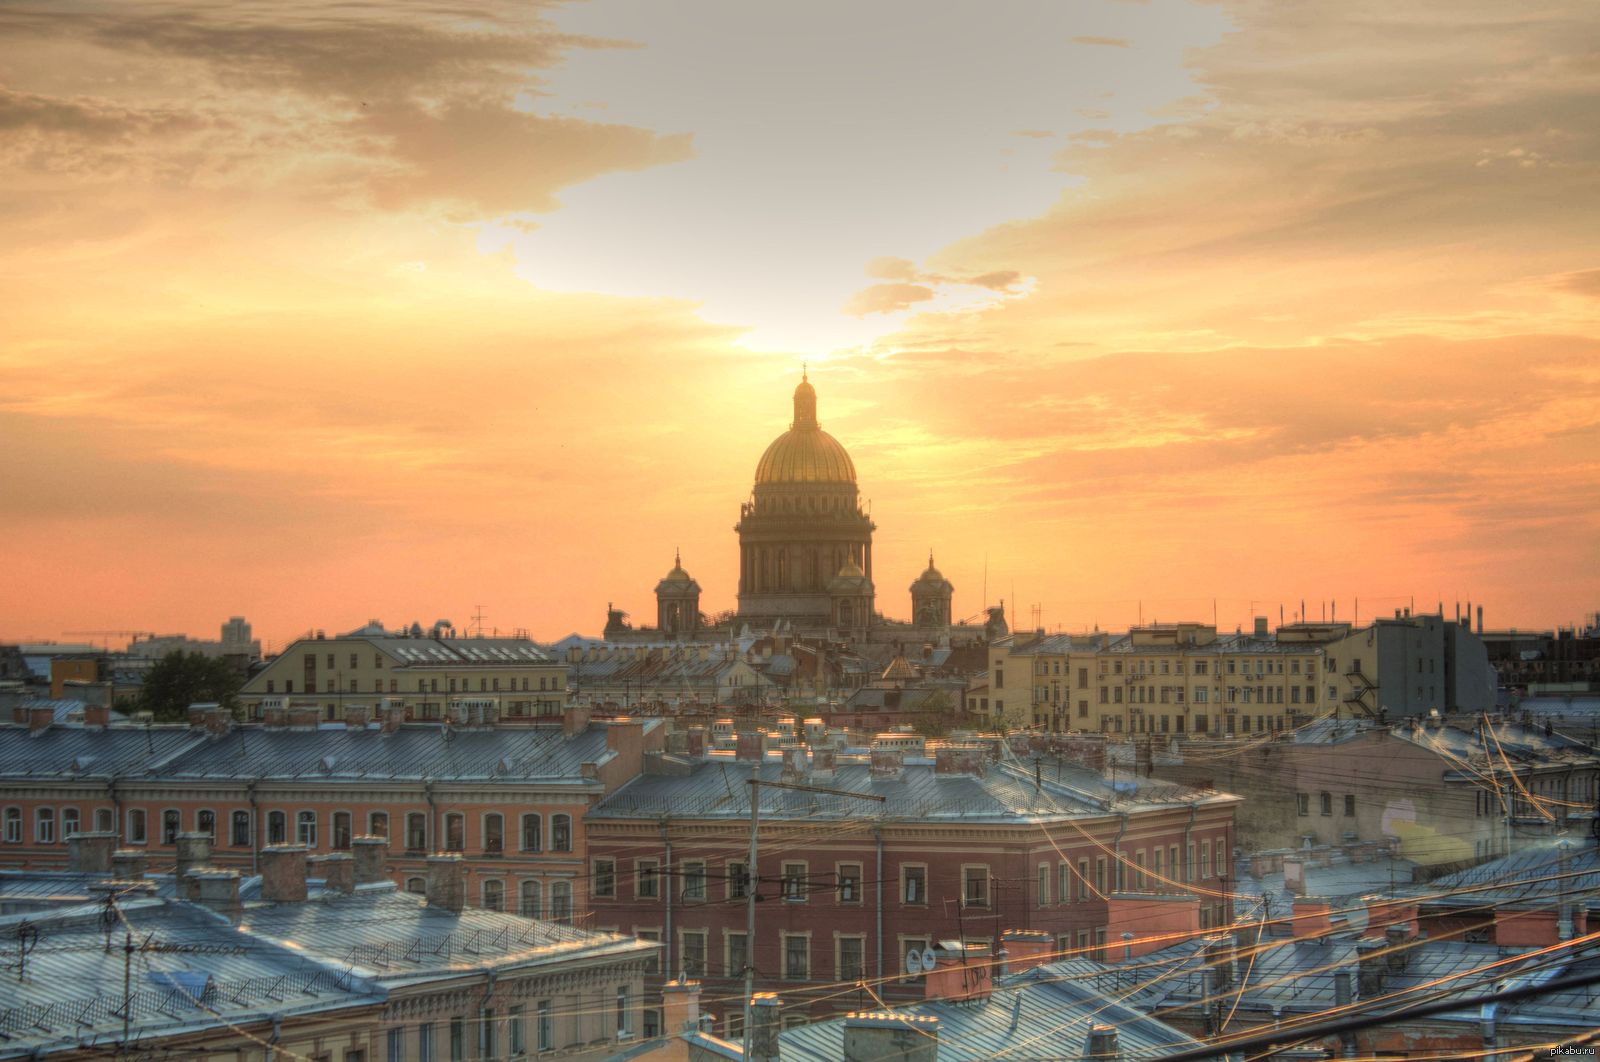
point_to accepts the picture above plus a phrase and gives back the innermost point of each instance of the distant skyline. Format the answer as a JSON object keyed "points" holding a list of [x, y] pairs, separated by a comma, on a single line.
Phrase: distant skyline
{"points": [[320, 313]]}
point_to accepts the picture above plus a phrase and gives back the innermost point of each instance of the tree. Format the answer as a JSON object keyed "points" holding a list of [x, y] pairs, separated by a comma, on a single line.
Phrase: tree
{"points": [[180, 679]]}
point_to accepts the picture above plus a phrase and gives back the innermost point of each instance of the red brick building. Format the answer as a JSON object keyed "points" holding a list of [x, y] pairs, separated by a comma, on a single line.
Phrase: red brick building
{"points": [[961, 846]]}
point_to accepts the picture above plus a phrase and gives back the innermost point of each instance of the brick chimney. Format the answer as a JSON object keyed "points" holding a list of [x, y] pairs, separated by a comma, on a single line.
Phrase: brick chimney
{"points": [[1398, 954], [97, 715], [961, 759], [128, 864], [193, 852], [764, 1027], [1312, 916], [1369, 956], [355, 717], [575, 720], [274, 715], [302, 717], [1527, 929], [39, 719], [90, 853], [283, 873], [370, 853], [796, 764], [1294, 875], [446, 881], [217, 889], [886, 763], [1156, 921], [890, 1036], [680, 1007], [750, 746], [336, 869], [1102, 1043], [1027, 948], [960, 971]]}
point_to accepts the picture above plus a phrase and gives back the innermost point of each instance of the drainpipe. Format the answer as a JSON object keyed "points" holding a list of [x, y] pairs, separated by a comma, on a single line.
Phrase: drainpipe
{"points": [[671, 881], [255, 818], [877, 833], [272, 1043], [433, 815], [116, 806], [1118, 879]]}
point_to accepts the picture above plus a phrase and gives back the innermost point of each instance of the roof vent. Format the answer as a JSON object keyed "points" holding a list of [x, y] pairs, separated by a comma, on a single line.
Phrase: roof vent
{"points": [[328, 763]]}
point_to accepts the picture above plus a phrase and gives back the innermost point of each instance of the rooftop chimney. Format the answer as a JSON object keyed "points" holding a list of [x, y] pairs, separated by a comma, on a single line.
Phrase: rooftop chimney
{"points": [[97, 715], [194, 851], [128, 864], [1395, 938], [680, 1007], [370, 852], [890, 1036], [764, 1027], [355, 717], [749, 746], [1102, 1043], [217, 889], [390, 716], [575, 720], [1369, 955], [90, 853], [957, 759], [823, 758], [302, 717], [1261, 627], [1312, 916], [1027, 948], [283, 873], [446, 881], [39, 719], [336, 869], [886, 763]]}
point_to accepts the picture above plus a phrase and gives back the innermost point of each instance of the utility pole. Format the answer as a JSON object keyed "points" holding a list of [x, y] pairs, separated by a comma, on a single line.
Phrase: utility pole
{"points": [[752, 878]]}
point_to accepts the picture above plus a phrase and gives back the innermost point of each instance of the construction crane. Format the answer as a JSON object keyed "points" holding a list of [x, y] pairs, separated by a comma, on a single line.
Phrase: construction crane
{"points": [[108, 635]]}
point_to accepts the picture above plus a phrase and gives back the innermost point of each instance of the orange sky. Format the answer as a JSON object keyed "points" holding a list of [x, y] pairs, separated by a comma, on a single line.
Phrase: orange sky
{"points": [[321, 313]]}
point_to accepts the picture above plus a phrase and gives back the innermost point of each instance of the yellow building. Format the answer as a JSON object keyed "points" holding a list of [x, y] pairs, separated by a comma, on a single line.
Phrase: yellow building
{"points": [[354, 675], [1176, 679]]}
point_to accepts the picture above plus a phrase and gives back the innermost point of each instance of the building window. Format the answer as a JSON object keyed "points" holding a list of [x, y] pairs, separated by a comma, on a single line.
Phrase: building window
{"points": [[171, 824], [455, 832], [735, 944], [975, 886], [849, 882], [396, 1038], [694, 881], [1205, 859], [914, 883], [561, 833], [738, 881], [605, 877], [494, 895], [1302, 802], [692, 945], [531, 900], [624, 1014], [1327, 803], [546, 1026], [416, 832], [306, 828], [647, 882], [561, 901], [136, 826], [69, 822], [794, 882], [425, 1042], [516, 1037], [241, 830], [458, 1040], [494, 833], [532, 825], [378, 824], [341, 830], [1349, 805], [851, 959], [1044, 885], [13, 825], [796, 957]]}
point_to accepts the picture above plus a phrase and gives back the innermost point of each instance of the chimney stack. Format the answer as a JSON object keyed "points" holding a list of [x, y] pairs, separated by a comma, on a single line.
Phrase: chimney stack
{"points": [[764, 1008], [39, 719], [217, 889], [1102, 1043], [355, 717], [890, 1036], [574, 720], [1398, 954], [194, 851], [283, 873], [336, 869], [1027, 948], [128, 864], [370, 852], [680, 1007], [97, 715], [90, 853], [446, 881], [1370, 969]]}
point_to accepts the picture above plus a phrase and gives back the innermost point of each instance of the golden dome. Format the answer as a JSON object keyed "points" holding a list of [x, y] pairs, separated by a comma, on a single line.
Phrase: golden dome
{"points": [[805, 453]]}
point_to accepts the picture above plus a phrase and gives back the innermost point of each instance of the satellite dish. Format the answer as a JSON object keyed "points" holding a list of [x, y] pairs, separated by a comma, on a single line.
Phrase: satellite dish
{"points": [[928, 960], [914, 961]]}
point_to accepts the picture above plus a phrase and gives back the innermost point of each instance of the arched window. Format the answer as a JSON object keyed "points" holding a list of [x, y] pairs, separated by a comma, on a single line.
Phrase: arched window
{"points": [[306, 828], [205, 821], [378, 824], [171, 824], [532, 830], [341, 830], [69, 822], [416, 832], [455, 832], [494, 835], [531, 900], [241, 829], [277, 827], [417, 885], [104, 820], [44, 826], [494, 896], [561, 901], [13, 826], [561, 833], [137, 826]]}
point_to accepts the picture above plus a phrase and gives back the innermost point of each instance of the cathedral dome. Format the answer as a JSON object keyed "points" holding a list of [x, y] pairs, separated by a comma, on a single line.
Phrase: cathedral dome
{"points": [[805, 453]]}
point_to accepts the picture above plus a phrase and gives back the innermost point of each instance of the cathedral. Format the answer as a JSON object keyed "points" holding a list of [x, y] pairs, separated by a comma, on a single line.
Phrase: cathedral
{"points": [[805, 554]]}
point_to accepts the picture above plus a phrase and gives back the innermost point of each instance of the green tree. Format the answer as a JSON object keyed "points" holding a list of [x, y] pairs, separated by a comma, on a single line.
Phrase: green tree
{"points": [[180, 679]]}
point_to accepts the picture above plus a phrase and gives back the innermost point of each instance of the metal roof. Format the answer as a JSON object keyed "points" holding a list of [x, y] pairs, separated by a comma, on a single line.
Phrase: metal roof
{"points": [[77, 753], [412, 753], [1532, 876], [718, 789]]}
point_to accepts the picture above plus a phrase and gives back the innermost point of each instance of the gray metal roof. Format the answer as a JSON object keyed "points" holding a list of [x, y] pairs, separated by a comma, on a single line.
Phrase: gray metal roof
{"points": [[1044, 1013], [718, 789], [1533, 876], [412, 753], [72, 993], [73, 752]]}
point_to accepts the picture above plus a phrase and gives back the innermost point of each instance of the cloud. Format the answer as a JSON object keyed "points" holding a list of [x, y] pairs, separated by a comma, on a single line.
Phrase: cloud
{"points": [[887, 298], [1582, 282], [1103, 42], [890, 268]]}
